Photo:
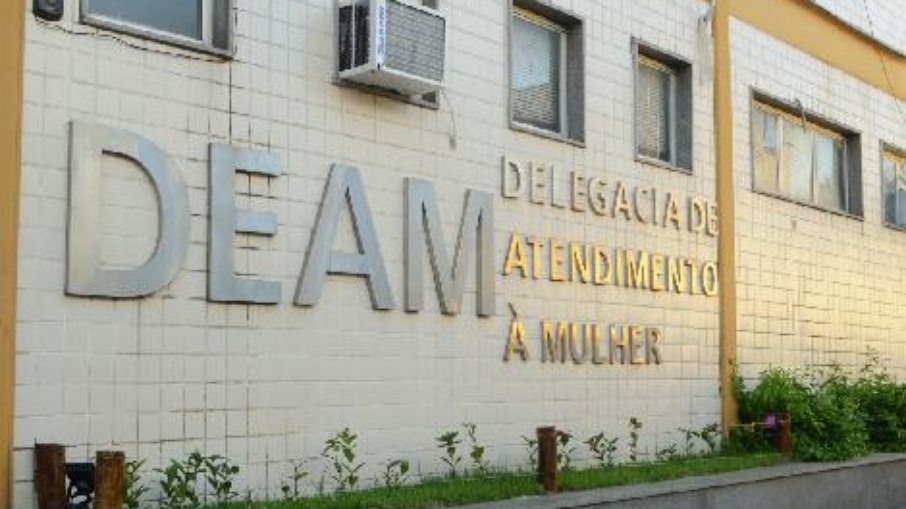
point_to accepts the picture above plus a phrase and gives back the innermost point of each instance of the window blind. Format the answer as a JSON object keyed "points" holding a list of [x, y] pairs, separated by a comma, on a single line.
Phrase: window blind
{"points": [[653, 110], [536, 74]]}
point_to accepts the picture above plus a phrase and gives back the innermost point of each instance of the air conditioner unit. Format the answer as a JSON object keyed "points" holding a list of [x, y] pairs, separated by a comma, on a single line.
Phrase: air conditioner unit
{"points": [[391, 44]]}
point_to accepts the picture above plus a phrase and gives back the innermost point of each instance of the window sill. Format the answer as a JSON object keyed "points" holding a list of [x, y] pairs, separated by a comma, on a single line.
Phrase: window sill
{"points": [[516, 126], [662, 164], [894, 226], [150, 34], [370, 89], [794, 201]]}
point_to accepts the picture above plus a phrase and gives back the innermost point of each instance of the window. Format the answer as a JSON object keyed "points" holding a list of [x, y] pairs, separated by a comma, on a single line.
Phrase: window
{"points": [[663, 108], [804, 159], [197, 24], [894, 181], [546, 71]]}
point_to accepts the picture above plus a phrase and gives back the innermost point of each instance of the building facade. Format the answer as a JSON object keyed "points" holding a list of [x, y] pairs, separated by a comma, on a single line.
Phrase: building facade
{"points": [[213, 241]]}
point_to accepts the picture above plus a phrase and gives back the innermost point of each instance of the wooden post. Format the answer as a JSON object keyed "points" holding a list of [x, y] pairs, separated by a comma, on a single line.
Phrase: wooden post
{"points": [[547, 458], [110, 473], [50, 476], [785, 434]]}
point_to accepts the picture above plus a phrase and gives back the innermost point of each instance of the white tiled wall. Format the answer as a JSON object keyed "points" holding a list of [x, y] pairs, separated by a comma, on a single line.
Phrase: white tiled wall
{"points": [[815, 287], [882, 19], [162, 376]]}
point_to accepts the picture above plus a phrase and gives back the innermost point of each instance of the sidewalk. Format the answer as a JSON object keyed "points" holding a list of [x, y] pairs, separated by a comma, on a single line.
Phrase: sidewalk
{"points": [[874, 482]]}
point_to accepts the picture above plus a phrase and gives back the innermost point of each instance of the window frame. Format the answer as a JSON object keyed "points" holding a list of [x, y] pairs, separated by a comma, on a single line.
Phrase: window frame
{"points": [[206, 44], [571, 26], [898, 155], [680, 71], [850, 157]]}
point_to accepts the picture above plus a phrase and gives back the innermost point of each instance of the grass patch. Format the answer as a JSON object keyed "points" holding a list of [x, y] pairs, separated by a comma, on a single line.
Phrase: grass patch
{"points": [[501, 486], [652, 472]]}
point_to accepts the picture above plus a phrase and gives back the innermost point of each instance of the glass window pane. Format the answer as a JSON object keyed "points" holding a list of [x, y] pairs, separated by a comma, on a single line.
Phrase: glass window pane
{"points": [[796, 167], [901, 195], [652, 112], [182, 17], [764, 150], [829, 187], [889, 178], [535, 75]]}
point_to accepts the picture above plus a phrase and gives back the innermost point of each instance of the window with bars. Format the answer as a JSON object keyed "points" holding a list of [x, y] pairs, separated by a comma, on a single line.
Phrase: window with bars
{"points": [[546, 82], [663, 108], [796, 157], [197, 24], [894, 187]]}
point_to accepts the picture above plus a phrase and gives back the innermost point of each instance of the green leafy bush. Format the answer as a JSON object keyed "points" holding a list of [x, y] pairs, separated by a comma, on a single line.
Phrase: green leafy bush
{"points": [[883, 405], [834, 415]]}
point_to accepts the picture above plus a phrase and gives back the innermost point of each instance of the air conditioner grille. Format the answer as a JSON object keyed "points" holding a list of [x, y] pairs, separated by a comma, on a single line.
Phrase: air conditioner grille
{"points": [[415, 41], [354, 40]]}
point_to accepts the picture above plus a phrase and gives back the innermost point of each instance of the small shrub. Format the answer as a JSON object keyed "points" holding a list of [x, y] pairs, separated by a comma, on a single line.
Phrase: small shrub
{"points": [[449, 443], [565, 450], [396, 474], [668, 453], [709, 435], [179, 482], [635, 425], [476, 450], [133, 489], [602, 449], [531, 447], [689, 442], [221, 474], [290, 486], [340, 452]]}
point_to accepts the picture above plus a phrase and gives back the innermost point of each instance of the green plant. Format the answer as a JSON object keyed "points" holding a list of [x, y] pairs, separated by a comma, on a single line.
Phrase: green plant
{"points": [[340, 452], [688, 440], [531, 447], [635, 425], [882, 403], [221, 474], [133, 489], [565, 450], [396, 473], [602, 449], [709, 435], [179, 482], [834, 416], [449, 442], [668, 453], [476, 450], [290, 486]]}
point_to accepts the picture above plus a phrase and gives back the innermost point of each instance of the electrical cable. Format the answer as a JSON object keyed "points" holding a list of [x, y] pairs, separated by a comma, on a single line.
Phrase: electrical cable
{"points": [[98, 34], [454, 135], [871, 30]]}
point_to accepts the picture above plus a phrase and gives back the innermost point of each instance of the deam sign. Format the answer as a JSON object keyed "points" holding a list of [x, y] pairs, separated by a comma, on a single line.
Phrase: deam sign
{"points": [[344, 189]]}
